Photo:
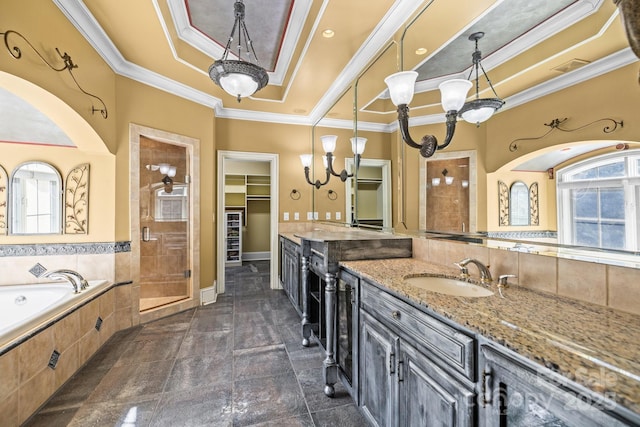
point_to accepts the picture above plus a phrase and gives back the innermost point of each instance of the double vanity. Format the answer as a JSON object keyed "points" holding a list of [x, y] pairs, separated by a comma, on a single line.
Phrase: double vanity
{"points": [[417, 343]]}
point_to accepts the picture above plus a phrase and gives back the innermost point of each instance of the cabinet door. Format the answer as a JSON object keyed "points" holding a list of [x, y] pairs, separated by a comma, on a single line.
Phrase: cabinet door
{"points": [[428, 395], [513, 393], [377, 367]]}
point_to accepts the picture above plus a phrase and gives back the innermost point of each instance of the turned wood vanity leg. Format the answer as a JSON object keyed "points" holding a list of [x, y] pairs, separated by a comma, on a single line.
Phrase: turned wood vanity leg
{"points": [[330, 371], [304, 277]]}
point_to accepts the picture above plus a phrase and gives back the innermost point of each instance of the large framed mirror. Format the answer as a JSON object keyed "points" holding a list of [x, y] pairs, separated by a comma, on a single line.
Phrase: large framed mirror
{"points": [[36, 199]]}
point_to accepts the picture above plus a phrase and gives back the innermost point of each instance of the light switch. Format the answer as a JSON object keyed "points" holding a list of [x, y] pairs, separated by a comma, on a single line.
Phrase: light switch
{"points": [[309, 216], [315, 216], [327, 215], [296, 216], [338, 216], [286, 216]]}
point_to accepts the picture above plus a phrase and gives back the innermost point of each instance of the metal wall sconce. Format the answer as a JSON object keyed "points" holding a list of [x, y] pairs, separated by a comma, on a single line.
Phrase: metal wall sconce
{"points": [[557, 124], [453, 95], [329, 145], [447, 179], [168, 171], [68, 65]]}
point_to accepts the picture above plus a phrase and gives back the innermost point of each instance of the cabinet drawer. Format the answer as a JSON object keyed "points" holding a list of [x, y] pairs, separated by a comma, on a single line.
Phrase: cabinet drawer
{"points": [[437, 339], [290, 246]]}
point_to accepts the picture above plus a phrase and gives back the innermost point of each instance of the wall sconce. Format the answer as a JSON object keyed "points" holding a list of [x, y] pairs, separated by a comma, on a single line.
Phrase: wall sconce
{"points": [[329, 145], [168, 171], [453, 94], [465, 183], [447, 179]]}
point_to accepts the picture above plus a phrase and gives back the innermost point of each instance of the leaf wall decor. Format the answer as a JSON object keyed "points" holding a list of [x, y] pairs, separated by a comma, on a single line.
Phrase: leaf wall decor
{"points": [[76, 200], [4, 185]]}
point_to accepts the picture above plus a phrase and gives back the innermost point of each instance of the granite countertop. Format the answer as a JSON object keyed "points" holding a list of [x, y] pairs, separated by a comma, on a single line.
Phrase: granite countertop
{"points": [[345, 235], [592, 345]]}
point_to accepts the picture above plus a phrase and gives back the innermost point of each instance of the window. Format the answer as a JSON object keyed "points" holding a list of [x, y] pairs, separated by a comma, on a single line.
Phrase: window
{"points": [[171, 206], [598, 202]]}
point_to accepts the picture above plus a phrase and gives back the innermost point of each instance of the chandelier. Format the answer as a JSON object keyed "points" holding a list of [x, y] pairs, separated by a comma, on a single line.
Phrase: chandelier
{"points": [[453, 95], [239, 78]]}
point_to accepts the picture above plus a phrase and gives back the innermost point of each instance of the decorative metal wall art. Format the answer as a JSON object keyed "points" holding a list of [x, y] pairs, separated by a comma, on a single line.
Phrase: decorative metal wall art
{"points": [[4, 187], [76, 200], [534, 216], [503, 203], [68, 65], [556, 123]]}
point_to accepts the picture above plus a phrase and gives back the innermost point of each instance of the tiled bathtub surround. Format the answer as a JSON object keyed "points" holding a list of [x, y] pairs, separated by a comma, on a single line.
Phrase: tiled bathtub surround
{"points": [[602, 284], [28, 381]]}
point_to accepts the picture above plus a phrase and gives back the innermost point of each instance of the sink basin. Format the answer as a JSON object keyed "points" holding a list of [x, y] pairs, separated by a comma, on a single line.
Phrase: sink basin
{"points": [[443, 285]]}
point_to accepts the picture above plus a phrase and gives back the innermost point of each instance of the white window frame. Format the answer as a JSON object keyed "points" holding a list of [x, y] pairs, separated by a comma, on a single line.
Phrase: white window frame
{"points": [[630, 183]]}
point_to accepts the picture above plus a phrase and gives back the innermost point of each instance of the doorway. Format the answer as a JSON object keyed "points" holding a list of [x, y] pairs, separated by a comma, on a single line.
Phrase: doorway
{"points": [[165, 249], [247, 192], [448, 188]]}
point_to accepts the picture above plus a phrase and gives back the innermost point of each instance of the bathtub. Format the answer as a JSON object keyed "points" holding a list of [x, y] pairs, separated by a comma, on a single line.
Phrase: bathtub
{"points": [[27, 309]]}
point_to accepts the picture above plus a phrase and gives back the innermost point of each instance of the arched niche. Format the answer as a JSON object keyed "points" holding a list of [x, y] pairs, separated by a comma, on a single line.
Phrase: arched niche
{"points": [[79, 131]]}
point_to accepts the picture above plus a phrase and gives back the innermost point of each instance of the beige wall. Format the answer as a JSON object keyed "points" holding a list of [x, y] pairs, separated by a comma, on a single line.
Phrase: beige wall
{"points": [[614, 95]]}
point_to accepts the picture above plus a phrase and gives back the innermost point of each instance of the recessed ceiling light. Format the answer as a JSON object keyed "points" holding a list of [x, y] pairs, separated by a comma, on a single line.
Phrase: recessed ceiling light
{"points": [[328, 33], [421, 51]]}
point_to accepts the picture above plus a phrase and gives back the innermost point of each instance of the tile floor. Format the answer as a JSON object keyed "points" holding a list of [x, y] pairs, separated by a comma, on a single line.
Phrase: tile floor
{"points": [[237, 362]]}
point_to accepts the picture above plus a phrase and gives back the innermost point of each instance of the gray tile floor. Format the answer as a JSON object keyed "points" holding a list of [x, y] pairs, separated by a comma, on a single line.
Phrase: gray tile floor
{"points": [[238, 362]]}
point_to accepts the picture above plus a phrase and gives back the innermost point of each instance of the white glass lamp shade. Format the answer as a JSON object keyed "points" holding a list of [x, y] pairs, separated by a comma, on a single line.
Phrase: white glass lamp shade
{"points": [[465, 183], [448, 180], [164, 168], [478, 115], [325, 163], [401, 86], [435, 181], [237, 84], [171, 172], [453, 93], [306, 160], [329, 143], [358, 144]]}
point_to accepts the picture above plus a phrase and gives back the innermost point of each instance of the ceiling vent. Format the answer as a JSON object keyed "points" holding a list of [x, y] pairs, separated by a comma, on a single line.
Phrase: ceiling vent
{"points": [[572, 65]]}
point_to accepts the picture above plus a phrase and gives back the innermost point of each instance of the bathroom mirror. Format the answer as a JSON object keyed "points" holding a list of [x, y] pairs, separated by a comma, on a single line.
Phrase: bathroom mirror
{"points": [[36, 199], [538, 206]]}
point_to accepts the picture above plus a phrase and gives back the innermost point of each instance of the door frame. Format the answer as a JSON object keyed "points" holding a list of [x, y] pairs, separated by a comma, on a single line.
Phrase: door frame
{"points": [[385, 165], [272, 158], [192, 146], [473, 186]]}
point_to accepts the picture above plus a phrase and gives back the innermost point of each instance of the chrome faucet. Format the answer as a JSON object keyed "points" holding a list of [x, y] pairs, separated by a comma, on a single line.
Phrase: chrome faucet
{"points": [[61, 274], [485, 274], [83, 283]]}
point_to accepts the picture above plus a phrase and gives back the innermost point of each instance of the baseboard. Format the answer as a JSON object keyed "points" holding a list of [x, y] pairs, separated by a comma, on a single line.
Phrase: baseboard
{"points": [[256, 256], [210, 294]]}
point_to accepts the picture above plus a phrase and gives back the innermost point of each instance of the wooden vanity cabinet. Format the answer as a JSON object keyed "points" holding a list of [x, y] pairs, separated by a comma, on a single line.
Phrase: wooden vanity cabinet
{"points": [[402, 381], [290, 272], [515, 392]]}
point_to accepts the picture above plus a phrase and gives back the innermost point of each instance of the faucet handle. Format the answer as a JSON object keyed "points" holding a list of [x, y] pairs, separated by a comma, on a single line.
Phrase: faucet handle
{"points": [[464, 271], [502, 280]]}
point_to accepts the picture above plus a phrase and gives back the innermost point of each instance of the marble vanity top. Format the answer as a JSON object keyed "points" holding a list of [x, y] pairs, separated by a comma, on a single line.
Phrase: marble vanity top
{"points": [[592, 345], [346, 235]]}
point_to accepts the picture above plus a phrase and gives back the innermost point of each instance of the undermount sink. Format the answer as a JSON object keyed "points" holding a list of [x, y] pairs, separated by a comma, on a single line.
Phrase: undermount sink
{"points": [[447, 286]]}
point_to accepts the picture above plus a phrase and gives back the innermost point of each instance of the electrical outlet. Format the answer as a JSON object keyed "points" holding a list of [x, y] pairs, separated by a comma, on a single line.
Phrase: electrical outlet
{"points": [[286, 216], [338, 216], [309, 216], [327, 215], [296, 216]]}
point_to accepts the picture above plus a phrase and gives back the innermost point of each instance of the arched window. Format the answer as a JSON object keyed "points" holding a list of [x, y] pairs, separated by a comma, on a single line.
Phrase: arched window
{"points": [[598, 202]]}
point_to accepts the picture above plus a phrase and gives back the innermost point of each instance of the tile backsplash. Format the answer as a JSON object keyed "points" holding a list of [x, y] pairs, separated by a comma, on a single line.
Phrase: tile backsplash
{"points": [[608, 285]]}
